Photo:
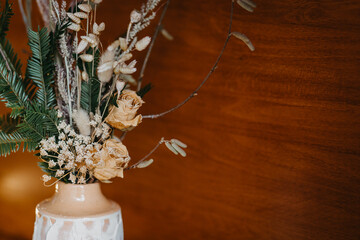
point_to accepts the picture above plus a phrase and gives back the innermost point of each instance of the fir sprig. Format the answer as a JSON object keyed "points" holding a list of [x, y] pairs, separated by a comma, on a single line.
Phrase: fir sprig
{"points": [[41, 68]]}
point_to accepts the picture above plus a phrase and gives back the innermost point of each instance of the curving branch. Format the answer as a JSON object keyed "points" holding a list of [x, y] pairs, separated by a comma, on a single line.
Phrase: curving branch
{"points": [[156, 33], [147, 155], [194, 93]]}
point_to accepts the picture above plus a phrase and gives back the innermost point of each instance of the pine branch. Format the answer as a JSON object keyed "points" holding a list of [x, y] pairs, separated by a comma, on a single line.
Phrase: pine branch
{"points": [[6, 51], [8, 124], [10, 57], [6, 14], [38, 123], [11, 142], [41, 67], [194, 93], [43, 117], [11, 88], [90, 89]]}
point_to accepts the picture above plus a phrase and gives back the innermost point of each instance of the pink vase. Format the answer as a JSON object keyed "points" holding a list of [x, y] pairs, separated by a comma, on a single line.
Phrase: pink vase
{"points": [[78, 212]]}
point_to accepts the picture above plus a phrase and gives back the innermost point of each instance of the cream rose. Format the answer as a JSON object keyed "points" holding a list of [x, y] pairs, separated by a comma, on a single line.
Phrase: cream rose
{"points": [[113, 158], [124, 116]]}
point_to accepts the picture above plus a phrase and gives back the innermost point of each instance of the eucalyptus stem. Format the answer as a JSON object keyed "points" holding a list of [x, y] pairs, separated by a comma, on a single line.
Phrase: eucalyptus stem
{"points": [[156, 33], [194, 93]]}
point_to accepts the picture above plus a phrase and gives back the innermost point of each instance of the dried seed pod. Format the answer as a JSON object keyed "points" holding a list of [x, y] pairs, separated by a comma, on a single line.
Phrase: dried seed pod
{"points": [[105, 72], [92, 39], [135, 16], [87, 57], [123, 44], [120, 86], [145, 164], [126, 57], [130, 79], [81, 15], [143, 43], [75, 27], [132, 64], [126, 70], [245, 5], [250, 3], [109, 54], [82, 46], [245, 39], [96, 1], [85, 76], [178, 142], [179, 149], [166, 34], [101, 27], [96, 29], [73, 18], [171, 148], [85, 7]]}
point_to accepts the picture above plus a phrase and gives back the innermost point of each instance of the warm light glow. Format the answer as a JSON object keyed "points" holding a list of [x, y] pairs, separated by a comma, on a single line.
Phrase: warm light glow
{"points": [[17, 185]]}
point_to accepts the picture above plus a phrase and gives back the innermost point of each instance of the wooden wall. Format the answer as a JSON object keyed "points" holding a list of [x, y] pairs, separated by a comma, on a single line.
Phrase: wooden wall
{"points": [[274, 136]]}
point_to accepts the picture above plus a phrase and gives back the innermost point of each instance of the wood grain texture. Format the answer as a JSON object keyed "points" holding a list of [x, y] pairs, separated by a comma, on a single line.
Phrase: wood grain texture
{"points": [[274, 136]]}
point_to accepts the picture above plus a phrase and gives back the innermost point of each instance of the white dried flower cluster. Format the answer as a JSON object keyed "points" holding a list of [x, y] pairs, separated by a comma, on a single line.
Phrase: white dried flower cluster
{"points": [[71, 155]]}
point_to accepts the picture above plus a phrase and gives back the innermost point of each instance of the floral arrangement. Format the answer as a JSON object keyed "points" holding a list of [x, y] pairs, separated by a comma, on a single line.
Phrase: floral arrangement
{"points": [[74, 93]]}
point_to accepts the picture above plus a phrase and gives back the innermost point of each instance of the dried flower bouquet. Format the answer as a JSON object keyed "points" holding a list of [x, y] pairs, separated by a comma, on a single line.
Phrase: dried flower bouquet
{"points": [[74, 93]]}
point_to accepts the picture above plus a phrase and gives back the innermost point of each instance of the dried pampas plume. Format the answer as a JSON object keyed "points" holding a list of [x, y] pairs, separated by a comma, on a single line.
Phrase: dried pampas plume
{"points": [[82, 121]]}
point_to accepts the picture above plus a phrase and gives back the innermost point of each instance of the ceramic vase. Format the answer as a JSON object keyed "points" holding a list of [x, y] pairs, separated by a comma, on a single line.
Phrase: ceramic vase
{"points": [[78, 212]]}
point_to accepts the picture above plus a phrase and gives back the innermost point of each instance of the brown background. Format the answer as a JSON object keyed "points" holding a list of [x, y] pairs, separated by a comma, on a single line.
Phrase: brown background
{"points": [[274, 136]]}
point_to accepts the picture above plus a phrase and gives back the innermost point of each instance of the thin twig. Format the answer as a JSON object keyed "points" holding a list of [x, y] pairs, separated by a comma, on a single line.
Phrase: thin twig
{"points": [[29, 12], [23, 14], [44, 9], [144, 158], [156, 33], [194, 93], [123, 135], [112, 89]]}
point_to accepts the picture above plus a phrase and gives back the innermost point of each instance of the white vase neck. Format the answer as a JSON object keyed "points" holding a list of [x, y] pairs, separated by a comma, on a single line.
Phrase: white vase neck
{"points": [[78, 193], [75, 200]]}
